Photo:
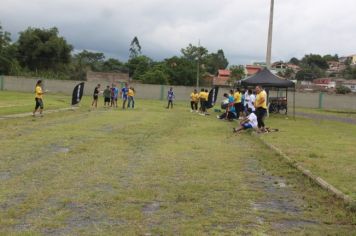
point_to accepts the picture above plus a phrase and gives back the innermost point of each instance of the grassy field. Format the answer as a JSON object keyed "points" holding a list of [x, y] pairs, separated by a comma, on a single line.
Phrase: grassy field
{"points": [[152, 171], [327, 148], [17, 102]]}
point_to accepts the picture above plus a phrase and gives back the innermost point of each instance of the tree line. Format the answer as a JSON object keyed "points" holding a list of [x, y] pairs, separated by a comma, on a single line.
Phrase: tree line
{"points": [[44, 53]]}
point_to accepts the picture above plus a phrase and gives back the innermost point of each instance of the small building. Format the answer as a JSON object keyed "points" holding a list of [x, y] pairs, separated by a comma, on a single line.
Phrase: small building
{"points": [[223, 78], [252, 69], [326, 83]]}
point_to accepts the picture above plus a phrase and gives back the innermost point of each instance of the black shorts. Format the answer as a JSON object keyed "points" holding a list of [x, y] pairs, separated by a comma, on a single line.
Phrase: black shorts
{"points": [[95, 97], [39, 103], [107, 100]]}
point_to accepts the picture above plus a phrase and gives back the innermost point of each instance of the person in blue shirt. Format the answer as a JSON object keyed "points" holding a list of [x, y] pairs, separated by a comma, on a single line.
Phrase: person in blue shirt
{"points": [[230, 112], [170, 97], [123, 94]]}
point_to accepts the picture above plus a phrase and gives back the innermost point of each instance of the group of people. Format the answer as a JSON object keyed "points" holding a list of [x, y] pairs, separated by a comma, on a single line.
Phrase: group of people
{"points": [[250, 107], [200, 98], [111, 95]]}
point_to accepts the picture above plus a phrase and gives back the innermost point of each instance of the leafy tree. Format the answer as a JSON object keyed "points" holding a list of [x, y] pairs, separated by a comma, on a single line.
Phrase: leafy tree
{"points": [[329, 57], [89, 60], [194, 53], [181, 71], [294, 61], [349, 72], [113, 65], [155, 75], [138, 66], [343, 90], [216, 61], [135, 48], [237, 73], [313, 60], [43, 49], [8, 62]]}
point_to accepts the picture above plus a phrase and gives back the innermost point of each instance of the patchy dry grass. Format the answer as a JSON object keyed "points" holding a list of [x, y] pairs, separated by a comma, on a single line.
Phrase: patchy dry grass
{"points": [[327, 148], [152, 171]]}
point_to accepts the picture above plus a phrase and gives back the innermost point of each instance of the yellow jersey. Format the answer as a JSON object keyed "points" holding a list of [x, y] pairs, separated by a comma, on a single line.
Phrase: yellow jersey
{"points": [[38, 92], [130, 93], [237, 97], [202, 96], [261, 100], [194, 97]]}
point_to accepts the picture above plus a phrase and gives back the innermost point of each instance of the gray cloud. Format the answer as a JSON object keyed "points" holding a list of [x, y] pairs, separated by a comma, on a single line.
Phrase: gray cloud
{"points": [[163, 27]]}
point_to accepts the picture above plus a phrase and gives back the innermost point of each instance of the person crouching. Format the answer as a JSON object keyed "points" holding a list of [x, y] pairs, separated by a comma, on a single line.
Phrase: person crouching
{"points": [[230, 112]]}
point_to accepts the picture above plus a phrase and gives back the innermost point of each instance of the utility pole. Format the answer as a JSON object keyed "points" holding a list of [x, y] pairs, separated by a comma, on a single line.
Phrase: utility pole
{"points": [[269, 41], [198, 66]]}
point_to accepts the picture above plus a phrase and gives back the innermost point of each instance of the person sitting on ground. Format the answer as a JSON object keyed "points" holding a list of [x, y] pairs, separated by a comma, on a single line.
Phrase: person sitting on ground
{"points": [[250, 122], [230, 112], [107, 95]]}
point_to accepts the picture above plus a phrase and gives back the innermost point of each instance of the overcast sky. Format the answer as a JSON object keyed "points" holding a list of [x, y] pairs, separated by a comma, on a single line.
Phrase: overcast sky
{"points": [[163, 27]]}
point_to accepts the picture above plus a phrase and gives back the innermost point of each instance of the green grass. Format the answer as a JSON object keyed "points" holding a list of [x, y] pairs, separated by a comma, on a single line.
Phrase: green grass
{"points": [[336, 113], [327, 148], [17, 102], [152, 171]]}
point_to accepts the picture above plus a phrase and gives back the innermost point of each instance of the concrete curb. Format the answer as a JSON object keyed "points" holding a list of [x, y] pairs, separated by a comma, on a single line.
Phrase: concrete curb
{"points": [[319, 181], [30, 113]]}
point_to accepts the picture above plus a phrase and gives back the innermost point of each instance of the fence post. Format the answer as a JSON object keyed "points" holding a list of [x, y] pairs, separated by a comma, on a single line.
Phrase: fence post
{"points": [[1, 83], [162, 92], [321, 96]]}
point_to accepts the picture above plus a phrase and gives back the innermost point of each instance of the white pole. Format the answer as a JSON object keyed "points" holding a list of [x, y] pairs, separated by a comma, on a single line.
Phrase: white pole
{"points": [[269, 42]]}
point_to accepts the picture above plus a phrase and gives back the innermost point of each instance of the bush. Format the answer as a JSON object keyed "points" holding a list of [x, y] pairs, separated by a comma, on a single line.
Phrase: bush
{"points": [[343, 90]]}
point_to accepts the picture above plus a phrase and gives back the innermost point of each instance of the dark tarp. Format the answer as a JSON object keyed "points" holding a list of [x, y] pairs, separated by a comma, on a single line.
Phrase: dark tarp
{"points": [[266, 79]]}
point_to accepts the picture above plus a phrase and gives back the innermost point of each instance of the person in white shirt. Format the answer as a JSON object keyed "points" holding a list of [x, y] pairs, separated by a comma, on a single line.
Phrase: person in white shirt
{"points": [[250, 122], [251, 103]]}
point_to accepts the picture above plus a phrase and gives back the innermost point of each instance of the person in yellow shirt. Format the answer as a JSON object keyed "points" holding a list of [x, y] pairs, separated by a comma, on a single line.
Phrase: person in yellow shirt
{"points": [[237, 102], [38, 98], [202, 99], [261, 107], [130, 97], [194, 99]]}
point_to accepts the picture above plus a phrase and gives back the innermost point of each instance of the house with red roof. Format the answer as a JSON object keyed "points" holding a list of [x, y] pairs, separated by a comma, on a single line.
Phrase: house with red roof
{"points": [[223, 78]]}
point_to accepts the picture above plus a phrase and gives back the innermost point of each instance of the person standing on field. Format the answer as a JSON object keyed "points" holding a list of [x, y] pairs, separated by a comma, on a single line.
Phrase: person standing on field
{"points": [[261, 107], [107, 95], [96, 96], [131, 100], [194, 99], [38, 98], [170, 98], [123, 94]]}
